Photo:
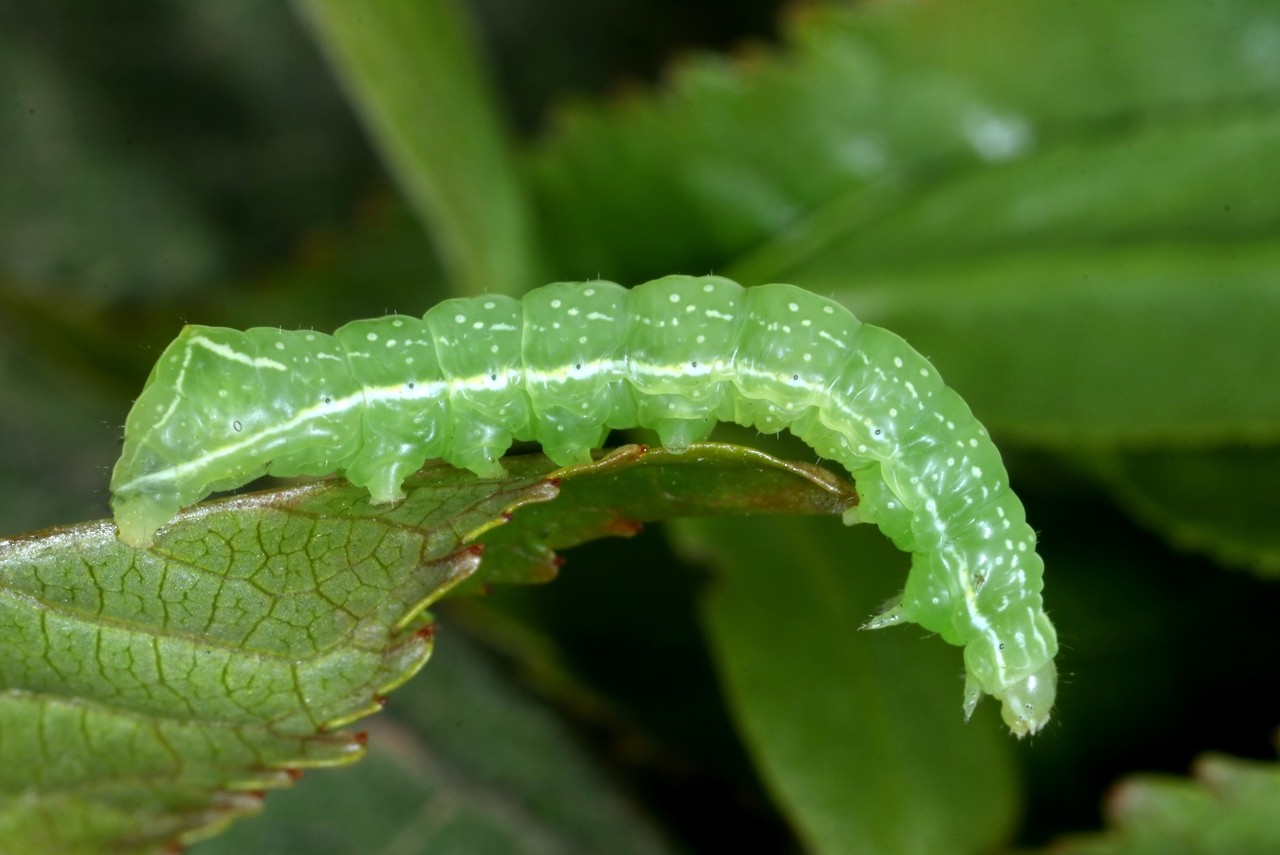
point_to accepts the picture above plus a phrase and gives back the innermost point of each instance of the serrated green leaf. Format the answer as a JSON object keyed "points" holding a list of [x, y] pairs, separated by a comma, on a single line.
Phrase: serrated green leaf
{"points": [[146, 690], [634, 485], [1228, 806], [142, 690], [413, 73], [860, 736]]}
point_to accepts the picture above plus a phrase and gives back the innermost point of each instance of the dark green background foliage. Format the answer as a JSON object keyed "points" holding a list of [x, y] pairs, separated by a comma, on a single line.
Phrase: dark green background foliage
{"points": [[1070, 207]]}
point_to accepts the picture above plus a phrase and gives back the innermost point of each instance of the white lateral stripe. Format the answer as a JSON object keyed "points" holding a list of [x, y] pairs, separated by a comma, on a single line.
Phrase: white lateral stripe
{"points": [[622, 369]]}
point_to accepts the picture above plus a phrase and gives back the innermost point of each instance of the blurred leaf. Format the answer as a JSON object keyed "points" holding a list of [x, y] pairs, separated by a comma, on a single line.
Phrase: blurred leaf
{"points": [[462, 767], [158, 151], [380, 264], [58, 422], [412, 71], [1229, 806], [877, 101], [55, 184], [929, 166], [1199, 500], [1100, 347], [257, 626], [860, 736]]}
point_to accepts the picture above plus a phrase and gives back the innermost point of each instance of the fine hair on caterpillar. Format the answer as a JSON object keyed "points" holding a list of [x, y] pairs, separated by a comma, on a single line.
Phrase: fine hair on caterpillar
{"points": [[572, 361]]}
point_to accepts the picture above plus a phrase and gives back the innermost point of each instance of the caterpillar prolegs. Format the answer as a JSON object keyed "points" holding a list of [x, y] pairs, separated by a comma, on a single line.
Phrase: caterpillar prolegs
{"points": [[571, 361]]}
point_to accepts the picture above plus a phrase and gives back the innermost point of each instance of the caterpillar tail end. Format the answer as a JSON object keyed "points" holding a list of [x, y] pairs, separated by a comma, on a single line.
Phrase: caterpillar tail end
{"points": [[1026, 704]]}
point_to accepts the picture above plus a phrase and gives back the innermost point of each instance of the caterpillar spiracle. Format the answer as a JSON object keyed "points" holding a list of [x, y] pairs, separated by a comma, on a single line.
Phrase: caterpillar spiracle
{"points": [[572, 361]]}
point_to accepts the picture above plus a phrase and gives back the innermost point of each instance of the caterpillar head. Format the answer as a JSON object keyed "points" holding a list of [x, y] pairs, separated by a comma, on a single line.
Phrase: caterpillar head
{"points": [[223, 407]]}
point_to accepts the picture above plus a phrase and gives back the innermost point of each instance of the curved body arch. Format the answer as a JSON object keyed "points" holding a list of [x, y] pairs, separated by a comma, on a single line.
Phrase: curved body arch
{"points": [[572, 361]]}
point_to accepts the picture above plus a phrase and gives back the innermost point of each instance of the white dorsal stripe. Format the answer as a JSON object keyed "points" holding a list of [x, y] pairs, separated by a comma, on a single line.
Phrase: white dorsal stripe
{"points": [[236, 356]]}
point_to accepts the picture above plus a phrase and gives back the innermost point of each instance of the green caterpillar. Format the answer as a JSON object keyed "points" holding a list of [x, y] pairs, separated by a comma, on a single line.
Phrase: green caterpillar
{"points": [[572, 361]]}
